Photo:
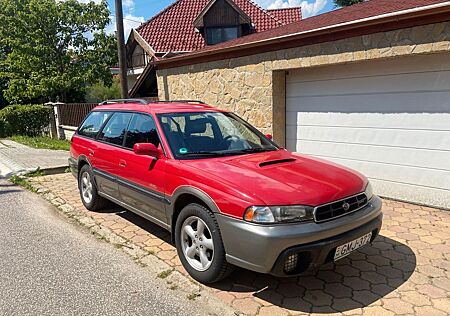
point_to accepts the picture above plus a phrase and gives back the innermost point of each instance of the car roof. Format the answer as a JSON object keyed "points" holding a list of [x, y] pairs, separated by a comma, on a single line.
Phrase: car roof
{"points": [[158, 107]]}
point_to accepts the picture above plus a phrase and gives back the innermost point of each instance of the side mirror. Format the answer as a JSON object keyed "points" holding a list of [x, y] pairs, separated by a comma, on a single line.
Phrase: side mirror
{"points": [[147, 149], [268, 136]]}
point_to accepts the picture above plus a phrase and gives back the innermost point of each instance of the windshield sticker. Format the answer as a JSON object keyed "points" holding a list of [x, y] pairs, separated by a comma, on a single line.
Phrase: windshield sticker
{"points": [[183, 150]]}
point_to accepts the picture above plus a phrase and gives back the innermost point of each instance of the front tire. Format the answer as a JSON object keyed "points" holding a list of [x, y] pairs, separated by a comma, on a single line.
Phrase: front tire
{"points": [[199, 244], [88, 190]]}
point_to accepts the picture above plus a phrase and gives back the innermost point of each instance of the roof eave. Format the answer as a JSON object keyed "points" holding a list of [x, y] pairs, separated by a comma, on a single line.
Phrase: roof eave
{"points": [[395, 20]]}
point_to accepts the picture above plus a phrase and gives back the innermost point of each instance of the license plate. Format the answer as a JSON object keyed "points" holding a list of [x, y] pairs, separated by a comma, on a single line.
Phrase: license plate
{"points": [[351, 246]]}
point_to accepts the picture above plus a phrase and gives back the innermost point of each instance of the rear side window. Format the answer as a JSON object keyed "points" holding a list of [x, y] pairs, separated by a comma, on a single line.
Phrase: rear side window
{"points": [[142, 129], [93, 123], [114, 130]]}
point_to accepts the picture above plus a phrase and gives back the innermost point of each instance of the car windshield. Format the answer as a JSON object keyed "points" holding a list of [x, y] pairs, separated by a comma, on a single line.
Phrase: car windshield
{"points": [[211, 134]]}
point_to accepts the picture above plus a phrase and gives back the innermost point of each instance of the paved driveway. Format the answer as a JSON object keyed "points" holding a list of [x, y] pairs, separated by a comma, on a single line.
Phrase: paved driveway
{"points": [[405, 272]]}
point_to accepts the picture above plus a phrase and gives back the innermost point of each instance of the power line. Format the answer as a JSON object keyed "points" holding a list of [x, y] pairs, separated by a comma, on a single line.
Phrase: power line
{"points": [[131, 20]]}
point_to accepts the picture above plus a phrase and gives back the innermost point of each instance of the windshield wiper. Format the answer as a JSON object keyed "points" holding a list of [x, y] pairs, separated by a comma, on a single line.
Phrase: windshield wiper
{"points": [[203, 153], [226, 153], [255, 150]]}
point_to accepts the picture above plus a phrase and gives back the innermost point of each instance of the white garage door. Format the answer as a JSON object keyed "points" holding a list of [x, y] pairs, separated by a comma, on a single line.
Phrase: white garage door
{"points": [[388, 119]]}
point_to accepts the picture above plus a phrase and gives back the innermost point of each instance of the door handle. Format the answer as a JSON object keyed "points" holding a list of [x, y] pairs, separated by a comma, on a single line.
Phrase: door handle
{"points": [[91, 152], [122, 163]]}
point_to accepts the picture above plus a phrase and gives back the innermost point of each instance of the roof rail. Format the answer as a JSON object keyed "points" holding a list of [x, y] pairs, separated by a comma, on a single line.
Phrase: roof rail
{"points": [[178, 101], [141, 101]]}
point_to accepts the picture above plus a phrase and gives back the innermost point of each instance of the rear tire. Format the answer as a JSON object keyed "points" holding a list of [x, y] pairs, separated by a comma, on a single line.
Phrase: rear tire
{"points": [[88, 190], [199, 244]]}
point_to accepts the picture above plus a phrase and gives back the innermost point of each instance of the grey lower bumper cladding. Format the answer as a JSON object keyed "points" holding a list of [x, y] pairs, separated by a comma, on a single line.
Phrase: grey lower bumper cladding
{"points": [[262, 248]]}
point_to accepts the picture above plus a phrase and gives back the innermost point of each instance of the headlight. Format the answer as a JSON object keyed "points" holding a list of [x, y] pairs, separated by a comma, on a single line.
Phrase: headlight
{"points": [[368, 191], [278, 214]]}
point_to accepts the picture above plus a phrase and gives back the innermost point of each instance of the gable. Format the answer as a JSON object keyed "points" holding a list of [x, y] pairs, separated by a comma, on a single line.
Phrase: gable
{"points": [[221, 12]]}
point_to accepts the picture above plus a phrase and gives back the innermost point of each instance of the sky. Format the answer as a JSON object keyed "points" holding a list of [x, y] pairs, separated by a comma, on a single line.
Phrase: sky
{"points": [[137, 11]]}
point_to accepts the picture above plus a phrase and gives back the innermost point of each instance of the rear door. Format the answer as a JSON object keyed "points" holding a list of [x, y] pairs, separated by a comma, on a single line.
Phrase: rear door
{"points": [[107, 155], [85, 143], [143, 181]]}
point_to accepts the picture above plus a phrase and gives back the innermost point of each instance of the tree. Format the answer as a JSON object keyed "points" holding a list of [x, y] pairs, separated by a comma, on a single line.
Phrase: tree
{"points": [[346, 3], [99, 92], [54, 48]]}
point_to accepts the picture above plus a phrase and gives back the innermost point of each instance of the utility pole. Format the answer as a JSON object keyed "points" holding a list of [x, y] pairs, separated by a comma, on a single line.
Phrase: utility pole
{"points": [[121, 50]]}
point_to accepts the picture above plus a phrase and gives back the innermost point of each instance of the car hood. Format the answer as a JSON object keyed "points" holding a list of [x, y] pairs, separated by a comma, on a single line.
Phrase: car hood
{"points": [[283, 178]]}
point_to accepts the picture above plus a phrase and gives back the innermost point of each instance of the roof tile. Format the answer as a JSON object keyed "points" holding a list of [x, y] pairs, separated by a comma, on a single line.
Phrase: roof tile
{"points": [[367, 9], [287, 15], [172, 29]]}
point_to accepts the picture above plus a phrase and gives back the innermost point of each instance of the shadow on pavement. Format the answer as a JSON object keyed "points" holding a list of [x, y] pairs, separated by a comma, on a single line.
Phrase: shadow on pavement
{"points": [[150, 227], [352, 282], [9, 191]]}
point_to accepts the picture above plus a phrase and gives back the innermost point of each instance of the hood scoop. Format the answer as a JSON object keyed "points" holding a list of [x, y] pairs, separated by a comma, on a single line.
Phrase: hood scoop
{"points": [[275, 162]]}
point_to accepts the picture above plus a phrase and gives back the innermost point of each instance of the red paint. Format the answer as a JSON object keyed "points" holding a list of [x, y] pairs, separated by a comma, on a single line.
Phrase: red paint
{"points": [[234, 182]]}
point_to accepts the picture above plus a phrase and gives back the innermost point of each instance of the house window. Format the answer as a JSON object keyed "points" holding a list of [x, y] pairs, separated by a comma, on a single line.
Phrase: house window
{"points": [[215, 35]]}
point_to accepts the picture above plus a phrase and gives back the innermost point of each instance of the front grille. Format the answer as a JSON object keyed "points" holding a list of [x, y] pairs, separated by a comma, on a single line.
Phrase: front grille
{"points": [[339, 208]]}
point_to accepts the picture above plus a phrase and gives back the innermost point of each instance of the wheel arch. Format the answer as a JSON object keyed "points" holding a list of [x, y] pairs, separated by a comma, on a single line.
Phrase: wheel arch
{"points": [[82, 161], [186, 195]]}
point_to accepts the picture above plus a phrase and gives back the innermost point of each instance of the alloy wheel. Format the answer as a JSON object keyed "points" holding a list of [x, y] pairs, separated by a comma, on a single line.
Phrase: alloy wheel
{"points": [[86, 187], [197, 243]]}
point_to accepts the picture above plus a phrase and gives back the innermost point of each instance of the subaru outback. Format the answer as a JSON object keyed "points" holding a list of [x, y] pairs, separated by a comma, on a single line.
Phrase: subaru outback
{"points": [[227, 193]]}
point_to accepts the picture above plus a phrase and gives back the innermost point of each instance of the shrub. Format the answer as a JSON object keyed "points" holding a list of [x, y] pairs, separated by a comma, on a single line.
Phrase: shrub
{"points": [[27, 120], [2, 129]]}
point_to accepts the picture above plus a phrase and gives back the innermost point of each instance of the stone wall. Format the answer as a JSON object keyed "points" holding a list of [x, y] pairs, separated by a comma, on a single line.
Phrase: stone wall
{"points": [[252, 86]]}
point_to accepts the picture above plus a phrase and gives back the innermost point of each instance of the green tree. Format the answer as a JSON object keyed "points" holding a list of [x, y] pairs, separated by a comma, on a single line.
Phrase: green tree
{"points": [[100, 92], [54, 48], [346, 3]]}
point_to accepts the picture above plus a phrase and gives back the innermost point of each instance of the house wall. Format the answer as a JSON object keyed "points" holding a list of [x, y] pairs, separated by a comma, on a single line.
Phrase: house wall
{"points": [[253, 86]]}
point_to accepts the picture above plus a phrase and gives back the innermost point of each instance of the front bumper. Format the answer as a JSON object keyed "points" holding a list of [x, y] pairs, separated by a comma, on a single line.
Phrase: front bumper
{"points": [[265, 248]]}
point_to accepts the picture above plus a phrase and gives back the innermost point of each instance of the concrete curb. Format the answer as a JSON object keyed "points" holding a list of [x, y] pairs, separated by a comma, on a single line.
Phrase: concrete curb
{"points": [[175, 280]]}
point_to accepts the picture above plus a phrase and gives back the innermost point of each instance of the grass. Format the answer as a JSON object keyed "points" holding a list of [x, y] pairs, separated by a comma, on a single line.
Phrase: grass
{"points": [[192, 296], [44, 142], [23, 182], [164, 274]]}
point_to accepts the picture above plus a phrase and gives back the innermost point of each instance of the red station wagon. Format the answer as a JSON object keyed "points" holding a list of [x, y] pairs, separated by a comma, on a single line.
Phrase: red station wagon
{"points": [[227, 193]]}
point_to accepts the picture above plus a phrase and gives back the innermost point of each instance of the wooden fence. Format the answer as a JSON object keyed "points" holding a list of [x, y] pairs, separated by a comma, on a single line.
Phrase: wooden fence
{"points": [[72, 114]]}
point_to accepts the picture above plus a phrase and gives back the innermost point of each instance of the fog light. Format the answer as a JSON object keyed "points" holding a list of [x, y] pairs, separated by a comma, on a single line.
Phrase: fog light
{"points": [[291, 263]]}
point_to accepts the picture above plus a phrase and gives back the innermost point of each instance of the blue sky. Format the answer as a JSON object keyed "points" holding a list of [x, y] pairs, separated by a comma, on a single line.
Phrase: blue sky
{"points": [[138, 11]]}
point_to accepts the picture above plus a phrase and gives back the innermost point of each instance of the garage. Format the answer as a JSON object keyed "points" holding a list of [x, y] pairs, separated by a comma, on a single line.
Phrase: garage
{"points": [[389, 119]]}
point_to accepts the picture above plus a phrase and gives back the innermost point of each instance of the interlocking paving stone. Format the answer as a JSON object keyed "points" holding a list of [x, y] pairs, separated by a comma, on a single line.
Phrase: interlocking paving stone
{"points": [[405, 271]]}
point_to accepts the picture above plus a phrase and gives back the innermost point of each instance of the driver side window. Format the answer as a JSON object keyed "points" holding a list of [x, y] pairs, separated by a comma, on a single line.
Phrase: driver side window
{"points": [[142, 129]]}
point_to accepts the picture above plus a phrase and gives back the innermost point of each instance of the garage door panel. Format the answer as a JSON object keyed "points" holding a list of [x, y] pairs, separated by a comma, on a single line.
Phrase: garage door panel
{"points": [[401, 138], [433, 179], [427, 81], [410, 121], [434, 159], [428, 102], [389, 119], [411, 192], [404, 65]]}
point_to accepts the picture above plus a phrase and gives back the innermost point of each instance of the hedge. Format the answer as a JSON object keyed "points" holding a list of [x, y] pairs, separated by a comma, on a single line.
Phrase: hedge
{"points": [[27, 120]]}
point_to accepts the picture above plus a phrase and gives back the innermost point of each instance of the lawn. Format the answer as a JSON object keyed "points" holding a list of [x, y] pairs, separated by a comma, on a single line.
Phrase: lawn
{"points": [[42, 142]]}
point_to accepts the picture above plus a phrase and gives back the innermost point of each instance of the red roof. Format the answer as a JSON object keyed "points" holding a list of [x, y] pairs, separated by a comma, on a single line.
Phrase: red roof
{"points": [[172, 29], [364, 10], [287, 15]]}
